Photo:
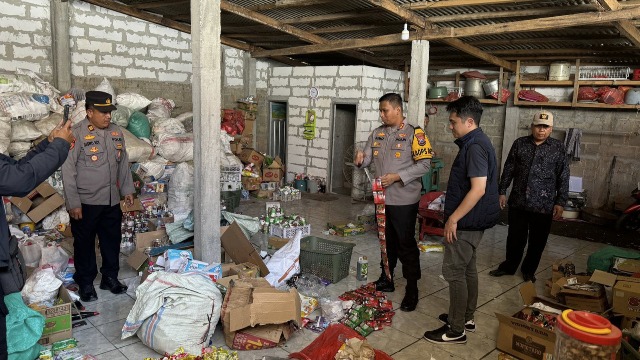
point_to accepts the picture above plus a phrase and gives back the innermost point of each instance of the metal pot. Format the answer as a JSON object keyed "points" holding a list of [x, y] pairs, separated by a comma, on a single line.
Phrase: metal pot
{"points": [[437, 92], [473, 87], [632, 97], [559, 71], [490, 87]]}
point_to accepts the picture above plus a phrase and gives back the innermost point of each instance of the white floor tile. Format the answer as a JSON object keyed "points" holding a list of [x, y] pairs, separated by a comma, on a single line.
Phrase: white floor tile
{"points": [[92, 342]]}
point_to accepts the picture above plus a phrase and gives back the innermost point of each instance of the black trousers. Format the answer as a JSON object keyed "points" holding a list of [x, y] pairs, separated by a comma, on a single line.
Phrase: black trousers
{"points": [[3, 335], [401, 242], [104, 221], [526, 226]]}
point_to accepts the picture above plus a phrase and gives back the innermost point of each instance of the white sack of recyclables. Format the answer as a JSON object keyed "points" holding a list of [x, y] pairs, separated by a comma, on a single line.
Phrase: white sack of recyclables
{"points": [[175, 147], [285, 262], [133, 101], [23, 130], [174, 310], [138, 149], [105, 86], [180, 197], [24, 106], [41, 287]]}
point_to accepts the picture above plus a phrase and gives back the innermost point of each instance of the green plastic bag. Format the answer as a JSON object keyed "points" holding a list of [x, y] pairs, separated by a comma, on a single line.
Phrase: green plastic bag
{"points": [[24, 329], [603, 258], [139, 125]]}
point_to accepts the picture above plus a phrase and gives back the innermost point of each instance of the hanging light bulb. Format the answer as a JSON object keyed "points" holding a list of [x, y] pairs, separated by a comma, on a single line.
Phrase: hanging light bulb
{"points": [[405, 33]]}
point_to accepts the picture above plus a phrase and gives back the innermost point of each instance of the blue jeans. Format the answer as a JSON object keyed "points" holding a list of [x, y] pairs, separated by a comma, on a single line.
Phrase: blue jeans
{"points": [[459, 269]]}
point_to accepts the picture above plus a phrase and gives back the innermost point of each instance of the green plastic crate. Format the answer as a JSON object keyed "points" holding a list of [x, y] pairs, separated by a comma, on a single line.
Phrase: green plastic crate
{"points": [[325, 258], [231, 199]]}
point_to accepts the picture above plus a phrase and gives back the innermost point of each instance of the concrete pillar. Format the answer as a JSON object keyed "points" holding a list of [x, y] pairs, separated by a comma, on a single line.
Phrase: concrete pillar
{"points": [[418, 83], [206, 82], [61, 51], [511, 122], [249, 75]]}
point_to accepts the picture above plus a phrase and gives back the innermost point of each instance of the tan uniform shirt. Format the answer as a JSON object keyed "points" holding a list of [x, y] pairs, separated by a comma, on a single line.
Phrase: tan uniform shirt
{"points": [[97, 169], [404, 150]]}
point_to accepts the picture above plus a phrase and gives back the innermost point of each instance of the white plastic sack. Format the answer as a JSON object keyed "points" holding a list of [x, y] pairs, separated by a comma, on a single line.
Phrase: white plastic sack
{"points": [[133, 101], [138, 149], [154, 167], [79, 113], [41, 287], [53, 256], [184, 116], [44, 88], [176, 148], [160, 108], [46, 125], [19, 149], [174, 310], [167, 126], [121, 116], [16, 83], [51, 221], [285, 262], [23, 130], [180, 200], [31, 249], [24, 106], [105, 86], [5, 134]]}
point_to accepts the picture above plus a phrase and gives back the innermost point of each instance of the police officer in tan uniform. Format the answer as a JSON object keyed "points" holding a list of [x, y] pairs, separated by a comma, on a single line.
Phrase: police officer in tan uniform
{"points": [[402, 155], [95, 176]]}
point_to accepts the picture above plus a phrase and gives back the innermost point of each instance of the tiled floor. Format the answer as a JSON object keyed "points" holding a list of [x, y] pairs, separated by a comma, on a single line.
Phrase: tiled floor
{"points": [[403, 340]]}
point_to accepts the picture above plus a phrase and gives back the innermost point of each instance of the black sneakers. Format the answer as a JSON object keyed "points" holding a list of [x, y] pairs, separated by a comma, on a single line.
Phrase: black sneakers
{"points": [[468, 326], [444, 335], [529, 277]]}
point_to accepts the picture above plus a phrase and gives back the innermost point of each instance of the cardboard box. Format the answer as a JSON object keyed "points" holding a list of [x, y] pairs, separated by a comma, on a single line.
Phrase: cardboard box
{"points": [[274, 172], [247, 106], [57, 324], [263, 194], [342, 229], [257, 316], [249, 155], [144, 240], [626, 267], [251, 183], [577, 299], [239, 249], [245, 270], [137, 206], [277, 242], [523, 339], [368, 221], [39, 203], [626, 292], [249, 125]]}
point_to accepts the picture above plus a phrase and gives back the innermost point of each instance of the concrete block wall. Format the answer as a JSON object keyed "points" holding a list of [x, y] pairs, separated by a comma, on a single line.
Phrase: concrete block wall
{"points": [[360, 85], [25, 33]]}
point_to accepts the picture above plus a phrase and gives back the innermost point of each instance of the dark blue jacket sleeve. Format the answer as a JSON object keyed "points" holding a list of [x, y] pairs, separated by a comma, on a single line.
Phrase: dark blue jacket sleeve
{"points": [[18, 178]]}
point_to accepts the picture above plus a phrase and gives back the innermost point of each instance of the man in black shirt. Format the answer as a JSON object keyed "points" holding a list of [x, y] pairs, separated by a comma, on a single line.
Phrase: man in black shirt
{"points": [[538, 167]]}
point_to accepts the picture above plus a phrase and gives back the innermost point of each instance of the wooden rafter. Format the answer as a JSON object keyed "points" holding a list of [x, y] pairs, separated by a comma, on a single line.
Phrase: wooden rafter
{"points": [[330, 17], [339, 29], [423, 23], [625, 27], [158, 4], [511, 14], [281, 4], [548, 23], [451, 3], [156, 19], [292, 30]]}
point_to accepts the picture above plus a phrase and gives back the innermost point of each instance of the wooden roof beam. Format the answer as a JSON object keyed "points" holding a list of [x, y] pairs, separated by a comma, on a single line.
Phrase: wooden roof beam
{"points": [[339, 29], [158, 4], [410, 16], [625, 27], [451, 3], [548, 23], [281, 4], [292, 30], [511, 14], [329, 17]]}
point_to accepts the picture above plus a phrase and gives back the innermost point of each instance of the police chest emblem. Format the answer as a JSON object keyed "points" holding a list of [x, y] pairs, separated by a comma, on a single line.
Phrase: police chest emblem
{"points": [[381, 134], [118, 146], [94, 157], [375, 144], [397, 155], [94, 149], [398, 146], [375, 153], [422, 141], [89, 137], [115, 133], [402, 135]]}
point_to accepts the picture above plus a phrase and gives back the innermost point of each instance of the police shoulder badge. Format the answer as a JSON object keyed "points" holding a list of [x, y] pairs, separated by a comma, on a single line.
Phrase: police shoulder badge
{"points": [[90, 127], [401, 126], [422, 141]]}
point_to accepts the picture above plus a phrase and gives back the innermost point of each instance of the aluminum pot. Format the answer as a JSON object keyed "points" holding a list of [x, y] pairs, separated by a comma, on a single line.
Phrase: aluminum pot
{"points": [[473, 87], [490, 87], [632, 97], [437, 92], [559, 71]]}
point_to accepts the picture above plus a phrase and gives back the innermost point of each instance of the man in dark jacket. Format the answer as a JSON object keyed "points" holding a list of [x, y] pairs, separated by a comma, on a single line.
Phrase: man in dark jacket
{"points": [[18, 178], [538, 167], [471, 206]]}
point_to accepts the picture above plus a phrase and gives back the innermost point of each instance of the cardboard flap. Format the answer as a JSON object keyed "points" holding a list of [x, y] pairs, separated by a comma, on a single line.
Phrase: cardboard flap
{"points": [[238, 247], [269, 306], [629, 266], [276, 164], [604, 278], [528, 292]]}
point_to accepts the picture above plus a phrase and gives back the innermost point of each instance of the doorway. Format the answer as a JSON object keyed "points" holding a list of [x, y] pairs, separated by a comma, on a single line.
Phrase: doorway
{"points": [[342, 142], [277, 143]]}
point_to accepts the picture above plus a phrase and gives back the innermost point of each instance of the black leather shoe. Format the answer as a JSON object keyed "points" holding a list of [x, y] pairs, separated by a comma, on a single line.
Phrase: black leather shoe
{"points": [[88, 293], [383, 284], [410, 301], [529, 277], [498, 273], [112, 285]]}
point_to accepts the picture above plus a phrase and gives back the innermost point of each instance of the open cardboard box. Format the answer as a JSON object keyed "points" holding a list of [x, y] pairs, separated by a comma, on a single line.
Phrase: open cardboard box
{"points": [[594, 301], [144, 240], [257, 316], [626, 292], [239, 249], [39, 203], [249, 155], [273, 172], [523, 339], [57, 324]]}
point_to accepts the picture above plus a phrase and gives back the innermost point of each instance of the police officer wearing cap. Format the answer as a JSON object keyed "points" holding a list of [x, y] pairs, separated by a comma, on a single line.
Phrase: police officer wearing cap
{"points": [[538, 166], [95, 176], [402, 155]]}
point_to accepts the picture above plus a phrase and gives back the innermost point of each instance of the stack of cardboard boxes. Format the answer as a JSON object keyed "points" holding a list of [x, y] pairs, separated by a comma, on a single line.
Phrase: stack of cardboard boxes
{"points": [[245, 140]]}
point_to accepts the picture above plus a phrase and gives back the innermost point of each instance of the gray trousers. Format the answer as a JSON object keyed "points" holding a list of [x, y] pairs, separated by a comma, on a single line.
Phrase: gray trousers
{"points": [[459, 269]]}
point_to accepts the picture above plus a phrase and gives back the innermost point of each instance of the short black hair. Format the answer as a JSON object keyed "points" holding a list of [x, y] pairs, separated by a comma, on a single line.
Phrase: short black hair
{"points": [[467, 107], [393, 99]]}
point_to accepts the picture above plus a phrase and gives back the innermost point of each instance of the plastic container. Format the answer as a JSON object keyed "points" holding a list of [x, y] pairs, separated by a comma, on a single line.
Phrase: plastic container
{"points": [[584, 335], [300, 185], [289, 232], [231, 199], [431, 180], [325, 258]]}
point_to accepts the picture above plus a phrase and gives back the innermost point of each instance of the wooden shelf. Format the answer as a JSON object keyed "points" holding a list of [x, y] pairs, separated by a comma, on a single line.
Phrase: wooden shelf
{"points": [[575, 84], [482, 101]]}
